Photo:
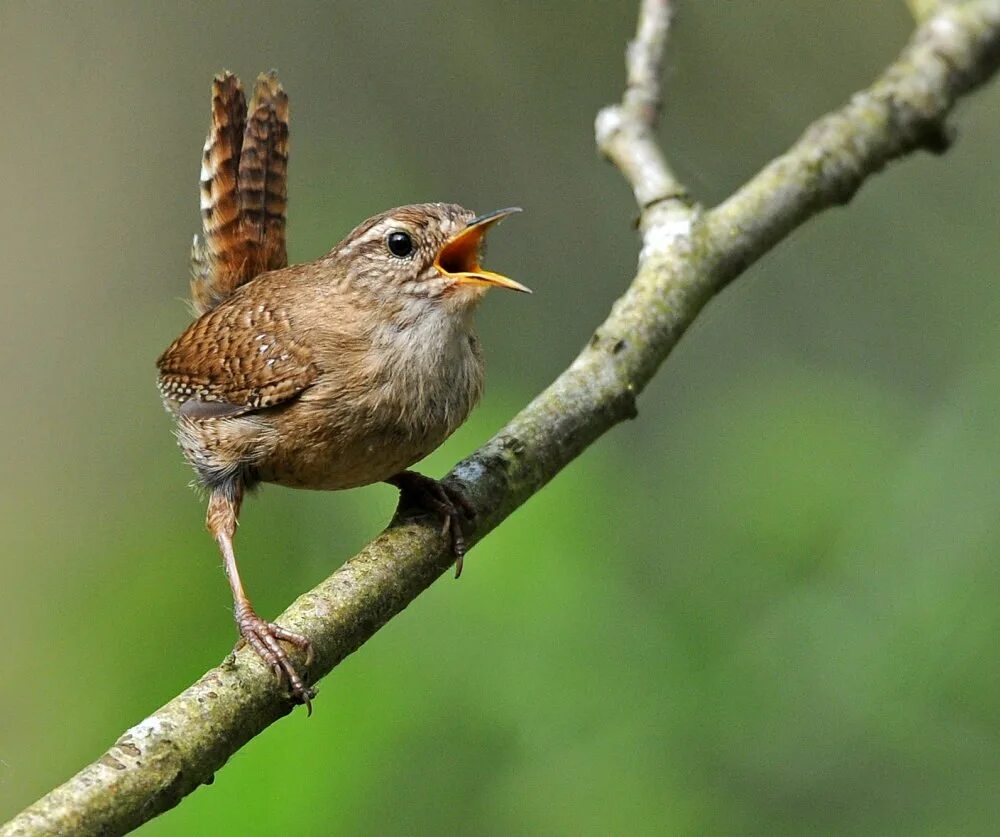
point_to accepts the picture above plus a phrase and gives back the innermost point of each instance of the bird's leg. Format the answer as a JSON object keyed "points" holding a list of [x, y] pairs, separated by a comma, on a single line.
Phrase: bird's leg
{"points": [[262, 636], [444, 500]]}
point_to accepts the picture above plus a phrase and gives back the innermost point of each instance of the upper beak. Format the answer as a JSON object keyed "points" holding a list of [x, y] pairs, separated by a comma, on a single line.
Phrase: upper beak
{"points": [[458, 259]]}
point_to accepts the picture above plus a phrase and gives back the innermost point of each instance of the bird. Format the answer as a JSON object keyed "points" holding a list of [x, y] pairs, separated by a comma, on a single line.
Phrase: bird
{"points": [[331, 374]]}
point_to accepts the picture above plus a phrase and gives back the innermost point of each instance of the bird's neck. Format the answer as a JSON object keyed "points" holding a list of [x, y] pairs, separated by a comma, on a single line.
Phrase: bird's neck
{"points": [[426, 333], [429, 367]]}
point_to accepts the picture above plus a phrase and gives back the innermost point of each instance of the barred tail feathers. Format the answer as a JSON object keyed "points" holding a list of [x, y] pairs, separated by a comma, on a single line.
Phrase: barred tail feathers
{"points": [[213, 268], [243, 189], [263, 175]]}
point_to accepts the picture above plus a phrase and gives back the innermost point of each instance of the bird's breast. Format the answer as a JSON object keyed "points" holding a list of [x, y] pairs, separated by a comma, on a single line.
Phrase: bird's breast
{"points": [[397, 404]]}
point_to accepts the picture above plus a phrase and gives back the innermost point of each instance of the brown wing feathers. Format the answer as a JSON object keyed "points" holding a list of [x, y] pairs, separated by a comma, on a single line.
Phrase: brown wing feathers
{"points": [[243, 356], [243, 189]]}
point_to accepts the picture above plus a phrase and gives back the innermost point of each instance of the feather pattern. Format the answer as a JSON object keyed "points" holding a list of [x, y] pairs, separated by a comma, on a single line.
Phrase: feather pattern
{"points": [[243, 190], [240, 357]]}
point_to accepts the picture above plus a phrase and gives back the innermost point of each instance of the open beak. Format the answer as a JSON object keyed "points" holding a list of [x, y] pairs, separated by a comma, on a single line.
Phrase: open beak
{"points": [[458, 259]]}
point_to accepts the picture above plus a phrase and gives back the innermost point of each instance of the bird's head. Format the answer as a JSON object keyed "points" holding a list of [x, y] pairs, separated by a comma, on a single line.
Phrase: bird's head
{"points": [[427, 251]]}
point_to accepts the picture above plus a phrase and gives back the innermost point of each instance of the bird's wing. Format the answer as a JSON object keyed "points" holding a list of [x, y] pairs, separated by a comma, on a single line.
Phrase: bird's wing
{"points": [[240, 357], [243, 189]]}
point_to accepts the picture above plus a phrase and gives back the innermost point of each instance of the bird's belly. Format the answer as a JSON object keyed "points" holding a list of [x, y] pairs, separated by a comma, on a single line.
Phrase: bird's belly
{"points": [[332, 455], [329, 467]]}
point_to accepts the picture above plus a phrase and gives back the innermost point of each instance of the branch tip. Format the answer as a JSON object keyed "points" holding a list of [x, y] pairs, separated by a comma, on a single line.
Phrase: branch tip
{"points": [[625, 131]]}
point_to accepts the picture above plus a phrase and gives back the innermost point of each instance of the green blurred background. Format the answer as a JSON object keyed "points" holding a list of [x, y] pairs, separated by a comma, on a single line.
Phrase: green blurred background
{"points": [[767, 606]]}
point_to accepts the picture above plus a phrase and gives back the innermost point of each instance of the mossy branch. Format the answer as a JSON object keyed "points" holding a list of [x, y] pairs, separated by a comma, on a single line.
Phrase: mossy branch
{"points": [[687, 256]]}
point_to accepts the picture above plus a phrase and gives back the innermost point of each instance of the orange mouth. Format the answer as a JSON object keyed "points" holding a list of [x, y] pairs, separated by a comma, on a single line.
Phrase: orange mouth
{"points": [[458, 259]]}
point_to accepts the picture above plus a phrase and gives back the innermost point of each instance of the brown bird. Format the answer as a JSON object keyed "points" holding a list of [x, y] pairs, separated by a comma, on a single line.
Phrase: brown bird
{"points": [[327, 375]]}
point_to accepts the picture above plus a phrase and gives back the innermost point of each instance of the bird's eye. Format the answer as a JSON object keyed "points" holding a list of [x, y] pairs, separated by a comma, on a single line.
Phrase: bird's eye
{"points": [[400, 244]]}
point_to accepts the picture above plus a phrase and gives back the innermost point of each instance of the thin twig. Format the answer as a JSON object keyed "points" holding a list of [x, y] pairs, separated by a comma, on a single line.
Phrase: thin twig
{"points": [[923, 9], [165, 757], [626, 131], [626, 135], [644, 61]]}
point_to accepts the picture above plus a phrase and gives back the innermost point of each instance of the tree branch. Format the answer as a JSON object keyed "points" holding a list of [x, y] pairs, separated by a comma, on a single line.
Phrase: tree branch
{"points": [[626, 131], [687, 257]]}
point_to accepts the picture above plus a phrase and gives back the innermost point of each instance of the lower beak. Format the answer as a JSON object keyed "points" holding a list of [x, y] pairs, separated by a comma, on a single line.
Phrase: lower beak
{"points": [[458, 259]]}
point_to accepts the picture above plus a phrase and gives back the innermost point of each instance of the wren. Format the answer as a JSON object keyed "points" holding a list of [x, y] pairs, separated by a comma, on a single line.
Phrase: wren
{"points": [[331, 374]]}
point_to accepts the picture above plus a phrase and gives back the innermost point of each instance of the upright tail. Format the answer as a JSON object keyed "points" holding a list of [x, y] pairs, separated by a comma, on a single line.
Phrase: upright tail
{"points": [[243, 189]]}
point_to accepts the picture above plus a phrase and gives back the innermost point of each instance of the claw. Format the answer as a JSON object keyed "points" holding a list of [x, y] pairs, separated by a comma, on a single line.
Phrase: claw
{"points": [[448, 502], [263, 638]]}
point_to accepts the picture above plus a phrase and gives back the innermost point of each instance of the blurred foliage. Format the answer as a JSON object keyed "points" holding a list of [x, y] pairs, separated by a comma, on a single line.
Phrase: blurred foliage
{"points": [[767, 606]]}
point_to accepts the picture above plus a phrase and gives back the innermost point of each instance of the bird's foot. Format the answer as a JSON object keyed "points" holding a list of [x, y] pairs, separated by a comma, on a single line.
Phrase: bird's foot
{"points": [[262, 637], [449, 503]]}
